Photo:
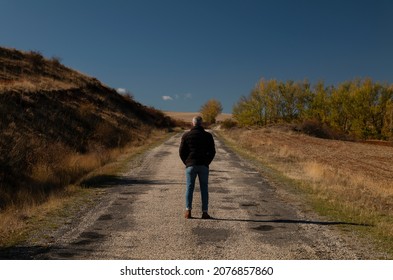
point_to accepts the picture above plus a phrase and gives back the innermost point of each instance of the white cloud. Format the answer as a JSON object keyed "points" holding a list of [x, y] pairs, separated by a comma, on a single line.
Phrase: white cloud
{"points": [[184, 96], [121, 91]]}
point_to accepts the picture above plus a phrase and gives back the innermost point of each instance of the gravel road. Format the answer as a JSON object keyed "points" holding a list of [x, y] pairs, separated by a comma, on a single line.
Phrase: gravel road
{"points": [[141, 217]]}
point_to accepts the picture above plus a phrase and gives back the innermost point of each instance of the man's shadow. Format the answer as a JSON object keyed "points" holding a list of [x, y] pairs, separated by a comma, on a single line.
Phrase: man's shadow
{"points": [[291, 221]]}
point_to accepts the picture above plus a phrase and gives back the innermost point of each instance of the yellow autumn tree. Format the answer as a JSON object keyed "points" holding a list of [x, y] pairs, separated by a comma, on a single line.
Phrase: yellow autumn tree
{"points": [[210, 110]]}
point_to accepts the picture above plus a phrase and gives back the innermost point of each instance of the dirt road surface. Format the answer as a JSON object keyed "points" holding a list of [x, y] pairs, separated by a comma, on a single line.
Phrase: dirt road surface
{"points": [[141, 217]]}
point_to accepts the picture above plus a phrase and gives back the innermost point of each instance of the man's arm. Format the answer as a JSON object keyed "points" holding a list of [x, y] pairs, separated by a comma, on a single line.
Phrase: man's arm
{"points": [[183, 150], [211, 148]]}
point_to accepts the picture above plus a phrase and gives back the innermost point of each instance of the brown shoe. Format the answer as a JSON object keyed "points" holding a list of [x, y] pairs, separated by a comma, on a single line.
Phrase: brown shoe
{"points": [[187, 214], [206, 216]]}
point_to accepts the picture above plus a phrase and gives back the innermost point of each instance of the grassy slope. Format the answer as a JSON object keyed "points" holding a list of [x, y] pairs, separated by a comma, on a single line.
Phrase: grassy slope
{"points": [[57, 124], [346, 181], [56, 127]]}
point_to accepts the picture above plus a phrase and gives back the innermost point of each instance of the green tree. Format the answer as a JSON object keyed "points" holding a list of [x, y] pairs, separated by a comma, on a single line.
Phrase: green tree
{"points": [[247, 111], [294, 100], [387, 129], [341, 103], [360, 108], [319, 105], [272, 96], [210, 110]]}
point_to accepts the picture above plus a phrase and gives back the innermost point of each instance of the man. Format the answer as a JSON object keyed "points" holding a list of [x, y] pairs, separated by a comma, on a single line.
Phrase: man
{"points": [[197, 151]]}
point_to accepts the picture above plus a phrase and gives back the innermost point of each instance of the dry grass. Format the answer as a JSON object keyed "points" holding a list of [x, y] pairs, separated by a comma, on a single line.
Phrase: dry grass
{"points": [[19, 219], [187, 116], [29, 85], [351, 180], [30, 71], [57, 124]]}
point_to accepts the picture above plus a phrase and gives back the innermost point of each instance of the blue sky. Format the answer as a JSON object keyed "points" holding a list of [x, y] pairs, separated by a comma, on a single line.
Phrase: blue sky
{"points": [[175, 55]]}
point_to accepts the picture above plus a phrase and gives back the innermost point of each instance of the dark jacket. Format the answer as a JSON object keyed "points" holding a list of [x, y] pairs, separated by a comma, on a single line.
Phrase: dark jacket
{"points": [[197, 147]]}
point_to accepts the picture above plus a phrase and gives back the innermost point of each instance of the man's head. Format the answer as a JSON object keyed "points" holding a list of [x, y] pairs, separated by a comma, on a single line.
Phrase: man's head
{"points": [[197, 121]]}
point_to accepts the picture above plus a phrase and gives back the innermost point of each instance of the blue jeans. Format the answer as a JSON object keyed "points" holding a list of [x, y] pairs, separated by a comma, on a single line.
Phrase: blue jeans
{"points": [[203, 174]]}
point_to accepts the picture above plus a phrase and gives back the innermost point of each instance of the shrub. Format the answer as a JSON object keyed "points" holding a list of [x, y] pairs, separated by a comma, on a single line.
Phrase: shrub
{"points": [[36, 59], [210, 110], [315, 128], [56, 61], [228, 124]]}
